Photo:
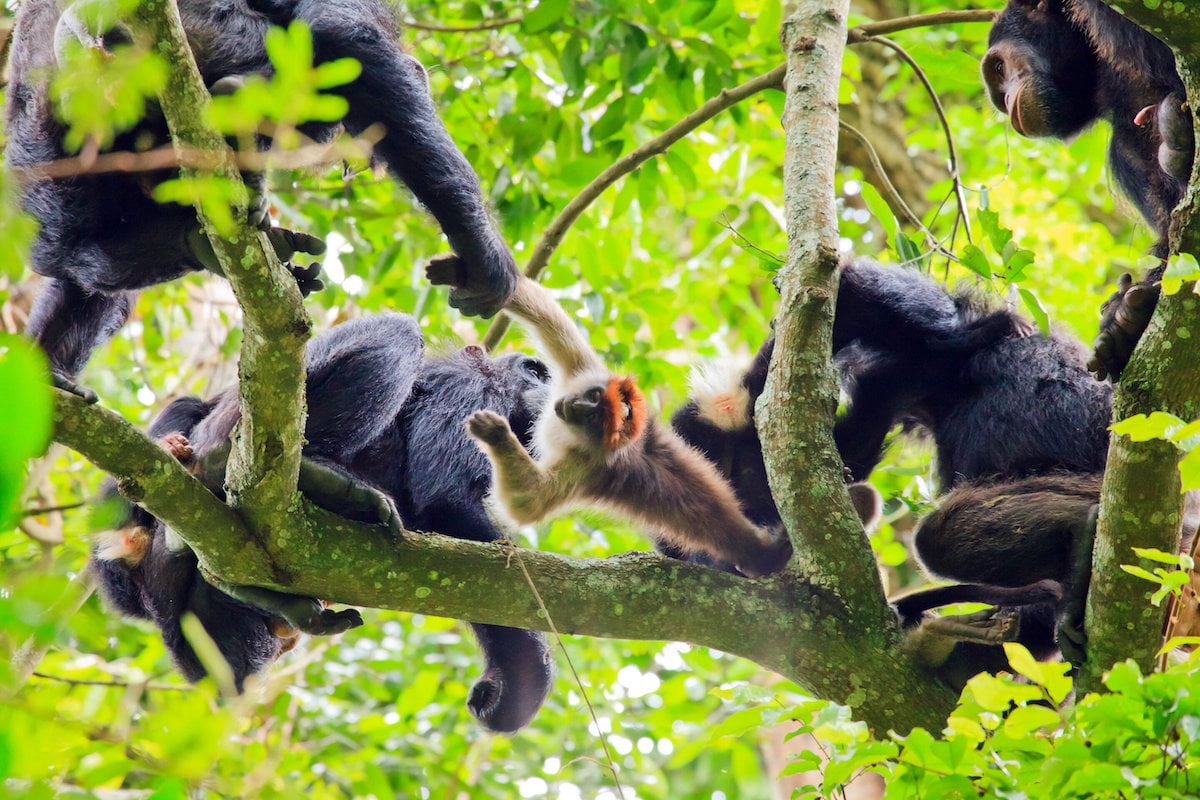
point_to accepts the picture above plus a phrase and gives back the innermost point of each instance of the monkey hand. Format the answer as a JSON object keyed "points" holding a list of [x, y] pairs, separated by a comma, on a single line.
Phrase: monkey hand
{"points": [[488, 427], [1125, 316], [479, 286]]}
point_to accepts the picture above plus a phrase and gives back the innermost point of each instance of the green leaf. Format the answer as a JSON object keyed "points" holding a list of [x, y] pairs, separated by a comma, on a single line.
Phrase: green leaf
{"points": [[1181, 267], [976, 261], [1036, 310], [1143, 427], [544, 15], [26, 416], [1189, 470]]}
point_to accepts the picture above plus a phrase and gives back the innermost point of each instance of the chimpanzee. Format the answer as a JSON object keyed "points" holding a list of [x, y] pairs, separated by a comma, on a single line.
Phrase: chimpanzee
{"points": [[147, 572], [1002, 406], [388, 418], [103, 236], [1057, 66]]}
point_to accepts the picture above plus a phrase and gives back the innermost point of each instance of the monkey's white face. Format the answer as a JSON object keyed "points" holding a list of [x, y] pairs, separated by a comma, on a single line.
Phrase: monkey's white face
{"points": [[555, 436], [720, 397]]}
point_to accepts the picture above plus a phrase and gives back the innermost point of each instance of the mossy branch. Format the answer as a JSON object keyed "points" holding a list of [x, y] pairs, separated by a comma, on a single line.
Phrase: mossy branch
{"points": [[265, 461], [1141, 504]]}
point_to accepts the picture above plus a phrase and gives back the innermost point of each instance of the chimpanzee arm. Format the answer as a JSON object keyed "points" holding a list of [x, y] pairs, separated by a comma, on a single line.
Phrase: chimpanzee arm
{"points": [[516, 678], [393, 91]]}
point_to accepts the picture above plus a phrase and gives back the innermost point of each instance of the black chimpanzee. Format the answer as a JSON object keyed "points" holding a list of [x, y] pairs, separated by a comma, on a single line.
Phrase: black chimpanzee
{"points": [[103, 236], [382, 415], [1057, 66], [1012, 416]]}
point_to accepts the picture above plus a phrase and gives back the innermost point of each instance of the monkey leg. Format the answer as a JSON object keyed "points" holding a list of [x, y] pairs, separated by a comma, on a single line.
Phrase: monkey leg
{"points": [[527, 492], [1070, 634]]}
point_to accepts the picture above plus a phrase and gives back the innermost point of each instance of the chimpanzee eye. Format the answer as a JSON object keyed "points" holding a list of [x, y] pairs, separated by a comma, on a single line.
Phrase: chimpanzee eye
{"points": [[538, 370]]}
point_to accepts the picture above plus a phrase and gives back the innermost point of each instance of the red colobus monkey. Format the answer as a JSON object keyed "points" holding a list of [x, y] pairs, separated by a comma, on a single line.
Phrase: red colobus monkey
{"points": [[597, 446]]}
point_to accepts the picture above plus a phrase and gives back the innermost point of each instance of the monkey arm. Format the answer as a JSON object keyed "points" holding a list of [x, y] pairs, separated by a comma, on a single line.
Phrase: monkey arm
{"points": [[528, 492], [559, 339]]}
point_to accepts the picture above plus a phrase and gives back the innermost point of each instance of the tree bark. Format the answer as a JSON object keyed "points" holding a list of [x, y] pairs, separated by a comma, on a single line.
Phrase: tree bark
{"points": [[1140, 500], [265, 461]]}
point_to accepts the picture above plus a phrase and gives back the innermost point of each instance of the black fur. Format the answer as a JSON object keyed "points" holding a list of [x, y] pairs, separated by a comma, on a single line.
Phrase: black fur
{"points": [[102, 236], [387, 416], [163, 583], [1057, 66], [1080, 62], [1001, 407]]}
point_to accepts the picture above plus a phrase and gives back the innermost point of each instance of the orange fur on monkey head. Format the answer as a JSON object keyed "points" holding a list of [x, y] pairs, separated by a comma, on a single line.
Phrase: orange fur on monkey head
{"points": [[626, 412]]}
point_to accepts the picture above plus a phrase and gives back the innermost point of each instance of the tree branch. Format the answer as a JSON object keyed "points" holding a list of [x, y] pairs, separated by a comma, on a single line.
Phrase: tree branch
{"points": [[796, 411], [553, 235], [1142, 479], [557, 229], [265, 461]]}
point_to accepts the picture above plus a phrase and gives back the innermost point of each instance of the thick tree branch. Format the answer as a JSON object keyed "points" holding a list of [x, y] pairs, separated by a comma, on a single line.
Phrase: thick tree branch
{"points": [[796, 411], [1141, 504], [265, 461]]}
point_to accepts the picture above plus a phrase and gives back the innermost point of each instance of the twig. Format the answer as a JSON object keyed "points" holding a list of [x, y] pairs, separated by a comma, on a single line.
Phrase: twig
{"points": [[37, 512], [893, 197], [941, 114], [160, 687], [883, 27], [870, 31], [167, 157], [483, 26], [557, 229], [612, 766]]}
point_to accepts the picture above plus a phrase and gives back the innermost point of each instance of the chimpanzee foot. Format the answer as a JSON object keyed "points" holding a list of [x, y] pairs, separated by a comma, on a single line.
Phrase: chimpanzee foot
{"points": [[61, 381], [1178, 148], [336, 491], [301, 613], [989, 626], [1125, 317]]}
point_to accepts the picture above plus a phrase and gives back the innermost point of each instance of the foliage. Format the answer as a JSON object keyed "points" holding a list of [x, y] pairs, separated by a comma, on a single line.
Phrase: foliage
{"points": [[1006, 739], [666, 269]]}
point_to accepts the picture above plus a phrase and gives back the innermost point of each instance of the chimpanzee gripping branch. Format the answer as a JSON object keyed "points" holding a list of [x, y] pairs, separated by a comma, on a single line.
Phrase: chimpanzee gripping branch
{"points": [[781, 623], [265, 462], [1142, 479]]}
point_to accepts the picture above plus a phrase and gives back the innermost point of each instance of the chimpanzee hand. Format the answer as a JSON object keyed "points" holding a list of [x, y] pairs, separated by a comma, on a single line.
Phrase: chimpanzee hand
{"points": [[1125, 316], [479, 287], [287, 243]]}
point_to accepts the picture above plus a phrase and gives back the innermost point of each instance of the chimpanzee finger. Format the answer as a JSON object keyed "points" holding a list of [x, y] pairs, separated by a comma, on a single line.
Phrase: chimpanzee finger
{"points": [[288, 242], [446, 270]]}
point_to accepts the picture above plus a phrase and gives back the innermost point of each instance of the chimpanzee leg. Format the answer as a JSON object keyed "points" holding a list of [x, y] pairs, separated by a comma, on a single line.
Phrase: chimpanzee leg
{"points": [[69, 322]]}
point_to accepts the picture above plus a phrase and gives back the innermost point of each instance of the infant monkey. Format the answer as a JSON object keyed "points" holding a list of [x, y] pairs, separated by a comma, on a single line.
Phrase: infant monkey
{"points": [[597, 446]]}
